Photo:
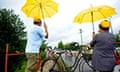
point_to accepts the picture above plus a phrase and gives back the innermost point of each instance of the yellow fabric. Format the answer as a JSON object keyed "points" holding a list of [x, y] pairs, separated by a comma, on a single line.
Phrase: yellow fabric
{"points": [[100, 12], [105, 24], [40, 8], [36, 19]]}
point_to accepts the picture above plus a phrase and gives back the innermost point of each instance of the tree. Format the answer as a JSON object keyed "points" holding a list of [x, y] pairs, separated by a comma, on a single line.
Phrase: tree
{"points": [[60, 45], [117, 39], [67, 46], [42, 49], [11, 32]]}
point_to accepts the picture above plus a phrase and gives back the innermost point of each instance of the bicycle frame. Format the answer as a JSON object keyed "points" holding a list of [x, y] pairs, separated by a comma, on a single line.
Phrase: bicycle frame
{"points": [[68, 68], [72, 68], [56, 60]]}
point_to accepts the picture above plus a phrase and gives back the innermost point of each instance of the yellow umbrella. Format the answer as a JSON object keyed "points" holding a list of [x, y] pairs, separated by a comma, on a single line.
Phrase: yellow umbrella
{"points": [[40, 8], [94, 13]]}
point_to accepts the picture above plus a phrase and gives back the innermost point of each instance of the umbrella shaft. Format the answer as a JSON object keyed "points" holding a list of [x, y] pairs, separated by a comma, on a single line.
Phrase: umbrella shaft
{"points": [[92, 21]]}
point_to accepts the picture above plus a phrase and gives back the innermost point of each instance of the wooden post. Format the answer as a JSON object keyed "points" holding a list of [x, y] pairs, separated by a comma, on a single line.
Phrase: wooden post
{"points": [[6, 58]]}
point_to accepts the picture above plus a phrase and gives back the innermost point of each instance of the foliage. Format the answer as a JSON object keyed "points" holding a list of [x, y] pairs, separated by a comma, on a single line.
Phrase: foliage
{"points": [[42, 49], [24, 62], [117, 39], [22, 68], [43, 46], [67, 46], [60, 45], [43, 55], [11, 32]]}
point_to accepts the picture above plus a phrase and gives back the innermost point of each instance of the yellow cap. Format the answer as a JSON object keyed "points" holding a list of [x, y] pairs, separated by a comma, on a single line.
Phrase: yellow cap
{"points": [[105, 24], [36, 19]]}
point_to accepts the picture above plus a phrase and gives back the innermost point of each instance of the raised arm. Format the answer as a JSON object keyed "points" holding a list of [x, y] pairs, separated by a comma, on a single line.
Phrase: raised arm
{"points": [[46, 30]]}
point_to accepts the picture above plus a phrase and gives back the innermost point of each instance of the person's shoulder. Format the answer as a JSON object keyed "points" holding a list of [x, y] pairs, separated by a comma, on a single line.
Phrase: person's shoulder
{"points": [[38, 27], [98, 34]]}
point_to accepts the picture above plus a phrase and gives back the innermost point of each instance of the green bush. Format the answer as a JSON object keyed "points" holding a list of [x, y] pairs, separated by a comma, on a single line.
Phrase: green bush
{"points": [[22, 68], [43, 55]]}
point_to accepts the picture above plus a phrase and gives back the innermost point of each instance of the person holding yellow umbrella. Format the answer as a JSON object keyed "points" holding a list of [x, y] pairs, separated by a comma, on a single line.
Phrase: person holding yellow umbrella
{"points": [[94, 13], [37, 9], [103, 48], [35, 36]]}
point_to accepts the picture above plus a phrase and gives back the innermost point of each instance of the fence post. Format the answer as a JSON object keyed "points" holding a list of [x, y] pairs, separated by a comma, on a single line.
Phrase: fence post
{"points": [[6, 57]]}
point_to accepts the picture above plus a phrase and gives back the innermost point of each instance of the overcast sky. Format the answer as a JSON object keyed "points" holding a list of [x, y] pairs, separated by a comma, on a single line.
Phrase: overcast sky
{"points": [[61, 26]]}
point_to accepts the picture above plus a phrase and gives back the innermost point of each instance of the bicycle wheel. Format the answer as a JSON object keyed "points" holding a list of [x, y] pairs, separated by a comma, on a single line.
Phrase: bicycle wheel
{"points": [[47, 65], [81, 65], [86, 67]]}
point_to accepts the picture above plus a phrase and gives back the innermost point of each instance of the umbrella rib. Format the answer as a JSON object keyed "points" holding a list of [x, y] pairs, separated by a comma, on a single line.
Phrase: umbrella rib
{"points": [[35, 5], [52, 9], [102, 14], [49, 12], [36, 0], [80, 20], [27, 5], [31, 10]]}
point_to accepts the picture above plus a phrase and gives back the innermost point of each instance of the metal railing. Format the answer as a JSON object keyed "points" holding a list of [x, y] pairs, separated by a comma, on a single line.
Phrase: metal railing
{"points": [[7, 54]]}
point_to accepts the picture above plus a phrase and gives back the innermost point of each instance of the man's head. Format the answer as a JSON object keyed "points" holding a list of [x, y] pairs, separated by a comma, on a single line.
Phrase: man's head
{"points": [[104, 25], [37, 21]]}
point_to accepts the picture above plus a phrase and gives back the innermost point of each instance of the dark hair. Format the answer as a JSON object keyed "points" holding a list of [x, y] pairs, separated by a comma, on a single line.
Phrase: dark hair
{"points": [[103, 28], [37, 22]]}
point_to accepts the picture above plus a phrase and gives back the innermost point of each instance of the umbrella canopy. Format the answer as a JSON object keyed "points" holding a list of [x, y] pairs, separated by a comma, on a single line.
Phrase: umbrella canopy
{"points": [[94, 13], [40, 8]]}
